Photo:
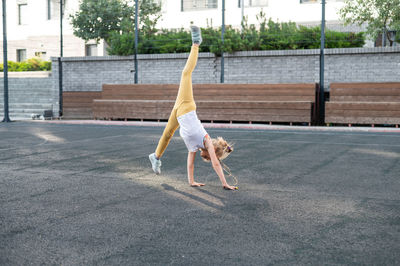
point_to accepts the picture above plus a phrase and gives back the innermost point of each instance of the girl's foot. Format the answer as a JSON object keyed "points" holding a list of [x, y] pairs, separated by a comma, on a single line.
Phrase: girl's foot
{"points": [[196, 35], [195, 184], [155, 163], [228, 187]]}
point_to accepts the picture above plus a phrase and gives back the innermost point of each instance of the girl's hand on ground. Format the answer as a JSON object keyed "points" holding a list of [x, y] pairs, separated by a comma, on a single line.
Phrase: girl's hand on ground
{"points": [[195, 184]]}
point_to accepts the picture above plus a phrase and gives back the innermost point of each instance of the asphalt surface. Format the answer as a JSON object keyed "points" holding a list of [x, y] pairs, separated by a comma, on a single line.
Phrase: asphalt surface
{"points": [[86, 195]]}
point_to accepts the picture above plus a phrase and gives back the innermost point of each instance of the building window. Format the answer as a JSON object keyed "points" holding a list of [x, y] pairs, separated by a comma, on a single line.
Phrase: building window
{"points": [[91, 49], [308, 1], [41, 55], [254, 3], [193, 5], [53, 9], [317, 1], [21, 55], [22, 14], [162, 5], [382, 40]]}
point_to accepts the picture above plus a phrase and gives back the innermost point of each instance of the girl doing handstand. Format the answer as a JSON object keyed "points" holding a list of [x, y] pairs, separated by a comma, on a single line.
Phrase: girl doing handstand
{"points": [[191, 130]]}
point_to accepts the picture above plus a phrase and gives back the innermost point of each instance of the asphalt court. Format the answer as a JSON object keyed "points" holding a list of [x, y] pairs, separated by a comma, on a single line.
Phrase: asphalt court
{"points": [[86, 195]]}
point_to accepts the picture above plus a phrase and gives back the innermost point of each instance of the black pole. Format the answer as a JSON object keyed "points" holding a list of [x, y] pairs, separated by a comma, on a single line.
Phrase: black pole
{"points": [[61, 28], [5, 68], [222, 38], [321, 69], [136, 40], [384, 38], [60, 72]]}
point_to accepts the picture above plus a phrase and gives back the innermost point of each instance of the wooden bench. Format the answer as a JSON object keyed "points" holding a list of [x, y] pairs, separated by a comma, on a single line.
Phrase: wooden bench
{"points": [[79, 104], [215, 102], [363, 103]]}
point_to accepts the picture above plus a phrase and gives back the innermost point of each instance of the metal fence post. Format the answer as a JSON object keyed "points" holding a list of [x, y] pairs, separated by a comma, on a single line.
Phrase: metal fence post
{"points": [[5, 65], [222, 38], [136, 40], [321, 70], [60, 72]]}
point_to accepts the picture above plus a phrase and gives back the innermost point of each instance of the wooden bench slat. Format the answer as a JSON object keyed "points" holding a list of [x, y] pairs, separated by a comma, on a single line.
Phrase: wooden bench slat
{"points": [[383, 106], [77, 104], [366, 85], [365, 92], [232, 102], [363, 113], [365, 99], [362, 120]]}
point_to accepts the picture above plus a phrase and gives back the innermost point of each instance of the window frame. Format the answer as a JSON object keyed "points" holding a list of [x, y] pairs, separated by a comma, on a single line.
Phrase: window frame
{"points": [[19, 57], [309, 1], [20, 20], [318, 1], [89, 47], [247, 6], [49, 13], [196, 8]]}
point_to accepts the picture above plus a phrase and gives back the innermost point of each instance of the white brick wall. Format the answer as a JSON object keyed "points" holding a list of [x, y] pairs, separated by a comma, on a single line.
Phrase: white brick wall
{"points": [[292, 66]]}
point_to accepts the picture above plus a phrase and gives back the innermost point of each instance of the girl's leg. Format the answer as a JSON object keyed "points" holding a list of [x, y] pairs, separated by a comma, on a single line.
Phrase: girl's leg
{"points": [[166, 137], [185, 101]]}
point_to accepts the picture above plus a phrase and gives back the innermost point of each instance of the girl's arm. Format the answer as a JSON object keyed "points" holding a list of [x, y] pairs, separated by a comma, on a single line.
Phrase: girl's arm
{"points": [[190, 170], [215, 163]]}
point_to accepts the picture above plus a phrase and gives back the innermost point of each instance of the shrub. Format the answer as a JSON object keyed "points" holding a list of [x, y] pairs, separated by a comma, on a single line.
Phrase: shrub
{"points": [[269, 35], [32, 64]]}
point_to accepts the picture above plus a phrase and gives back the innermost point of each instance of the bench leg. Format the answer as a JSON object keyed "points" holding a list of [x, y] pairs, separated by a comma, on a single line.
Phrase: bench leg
{"points": [[397, 126], [291, 124], [270, 123], [372, 125], [349, 125], [309, 124]]}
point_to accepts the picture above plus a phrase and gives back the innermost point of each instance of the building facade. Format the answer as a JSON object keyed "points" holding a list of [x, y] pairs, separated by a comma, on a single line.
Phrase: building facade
{"points": [[33, 26]]}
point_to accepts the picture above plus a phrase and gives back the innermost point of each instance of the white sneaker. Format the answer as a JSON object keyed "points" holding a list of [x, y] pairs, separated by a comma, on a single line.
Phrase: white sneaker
{"points": [[155, 164], [196, 35]]}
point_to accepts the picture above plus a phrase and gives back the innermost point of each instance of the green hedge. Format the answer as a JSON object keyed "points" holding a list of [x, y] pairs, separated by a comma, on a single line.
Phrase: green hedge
{"points": [[269, 36], [33, 64]]}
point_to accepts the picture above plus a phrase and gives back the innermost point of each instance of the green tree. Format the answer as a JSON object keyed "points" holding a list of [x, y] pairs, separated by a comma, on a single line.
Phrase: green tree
{"points": [[96, 19], [382, 16], [104, 19]]}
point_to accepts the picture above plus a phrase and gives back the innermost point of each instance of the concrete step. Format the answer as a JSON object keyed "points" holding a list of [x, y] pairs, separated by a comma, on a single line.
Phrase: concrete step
{"points": [[28, 105], [18, 114], [44, 101], [30, 95]]}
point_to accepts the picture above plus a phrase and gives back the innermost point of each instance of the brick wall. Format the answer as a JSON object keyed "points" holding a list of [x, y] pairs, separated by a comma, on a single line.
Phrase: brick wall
{"points": [[297, 66], [29, 93]]}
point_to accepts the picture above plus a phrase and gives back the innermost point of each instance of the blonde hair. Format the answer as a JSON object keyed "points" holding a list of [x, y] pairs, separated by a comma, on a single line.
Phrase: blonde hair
{"points": [[222, 149]]}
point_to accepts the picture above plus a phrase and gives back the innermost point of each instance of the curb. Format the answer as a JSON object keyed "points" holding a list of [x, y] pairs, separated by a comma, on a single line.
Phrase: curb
{"points": [[225, 126]]}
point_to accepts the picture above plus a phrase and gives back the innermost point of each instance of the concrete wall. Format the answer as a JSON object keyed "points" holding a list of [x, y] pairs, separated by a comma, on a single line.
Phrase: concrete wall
{"points": [[297, 66], [29, 93], [33, 93]]}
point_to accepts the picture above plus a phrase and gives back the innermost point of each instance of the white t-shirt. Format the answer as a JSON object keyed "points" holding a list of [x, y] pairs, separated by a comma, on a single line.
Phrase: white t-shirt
{"points": [[192, 131]]}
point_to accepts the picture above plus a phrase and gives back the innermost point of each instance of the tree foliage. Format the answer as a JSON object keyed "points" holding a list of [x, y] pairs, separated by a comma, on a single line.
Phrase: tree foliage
{"points": [[269, 35], [32, 64], [101, 19], [382, 16]]}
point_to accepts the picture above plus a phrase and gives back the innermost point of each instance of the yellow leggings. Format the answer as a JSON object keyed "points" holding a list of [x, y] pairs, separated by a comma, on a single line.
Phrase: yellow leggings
{"points": [[184, 102]]}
